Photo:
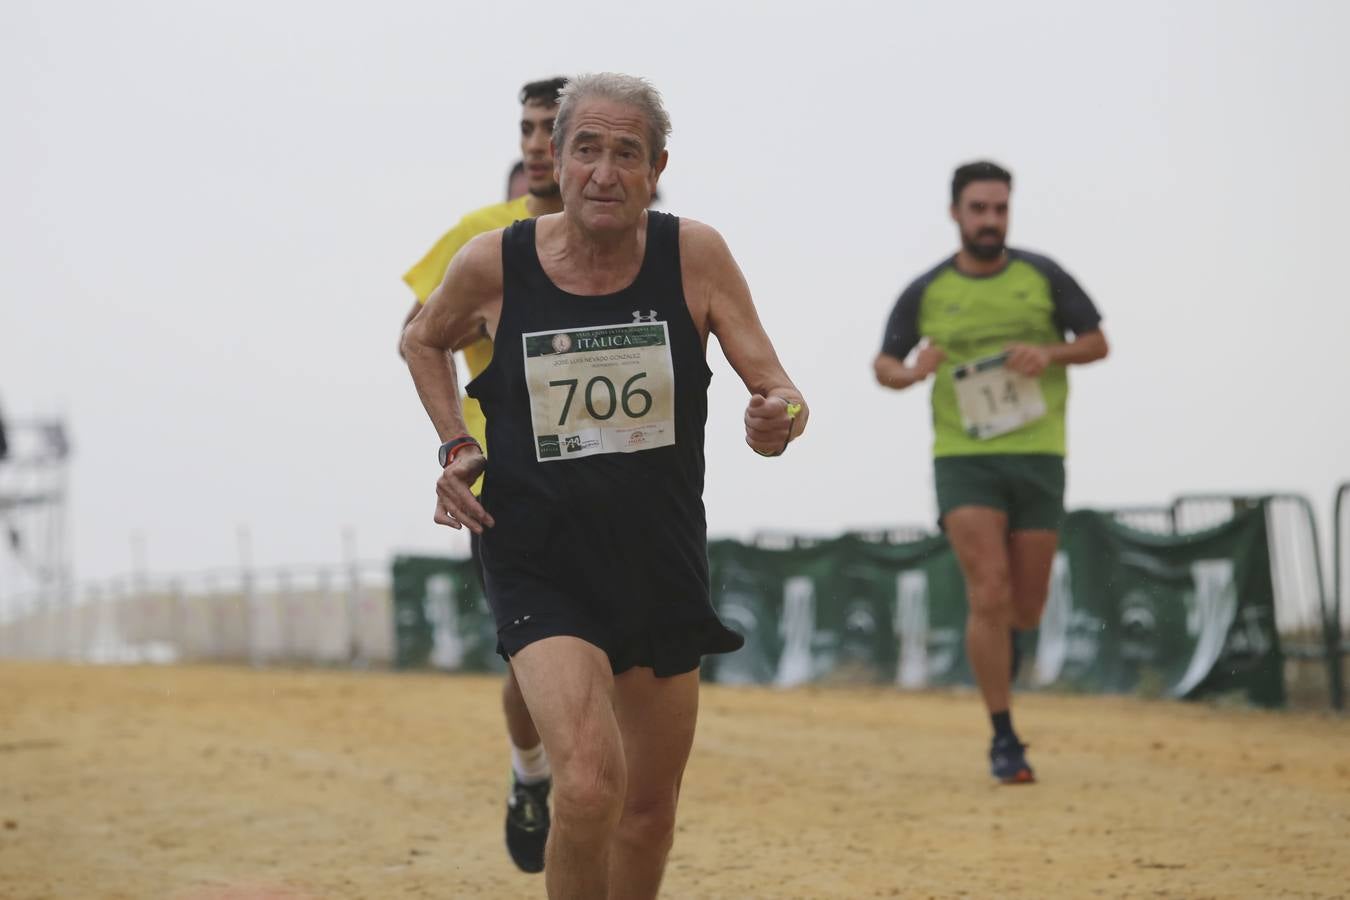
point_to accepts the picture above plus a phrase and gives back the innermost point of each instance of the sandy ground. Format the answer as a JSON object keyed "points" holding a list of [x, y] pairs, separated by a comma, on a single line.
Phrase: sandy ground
{"points": [[215, 783]]}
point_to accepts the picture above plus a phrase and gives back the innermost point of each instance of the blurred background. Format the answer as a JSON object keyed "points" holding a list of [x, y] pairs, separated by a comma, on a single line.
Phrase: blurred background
{"points": [[207, 209]]}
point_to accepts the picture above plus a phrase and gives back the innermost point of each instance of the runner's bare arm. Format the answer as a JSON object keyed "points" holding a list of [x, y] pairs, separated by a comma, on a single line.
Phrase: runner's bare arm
{"points": [[412, 314], [895, 373], [455, 315], [1084, 348], [464, 308], [720, 302], [1031, 359]]}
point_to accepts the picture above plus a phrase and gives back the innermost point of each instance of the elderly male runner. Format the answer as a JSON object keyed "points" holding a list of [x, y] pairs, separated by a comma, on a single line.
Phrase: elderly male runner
{"points": [[994, 321], [592, 520], [527, 815]]}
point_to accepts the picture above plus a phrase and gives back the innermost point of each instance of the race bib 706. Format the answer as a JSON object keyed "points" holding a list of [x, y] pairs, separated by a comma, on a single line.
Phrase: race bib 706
{"points": [[604, 389]]}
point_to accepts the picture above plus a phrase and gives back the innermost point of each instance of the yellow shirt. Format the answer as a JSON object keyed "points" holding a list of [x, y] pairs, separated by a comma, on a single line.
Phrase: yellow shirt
{"points": [[427, 274]]}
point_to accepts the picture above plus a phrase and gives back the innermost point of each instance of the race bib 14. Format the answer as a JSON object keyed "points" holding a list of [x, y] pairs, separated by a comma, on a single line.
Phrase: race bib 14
{"points": [[995, 400]]}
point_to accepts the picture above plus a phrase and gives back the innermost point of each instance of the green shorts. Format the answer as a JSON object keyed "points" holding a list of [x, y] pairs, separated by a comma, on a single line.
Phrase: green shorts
{"points": [[1029, 487]]}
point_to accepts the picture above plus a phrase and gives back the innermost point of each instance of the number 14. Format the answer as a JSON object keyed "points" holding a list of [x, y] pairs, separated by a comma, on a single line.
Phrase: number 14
{"points": [[1009, 395]]}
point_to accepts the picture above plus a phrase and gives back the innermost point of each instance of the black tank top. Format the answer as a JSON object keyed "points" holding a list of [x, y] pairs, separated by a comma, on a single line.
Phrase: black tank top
{"points": [[595, 463]]}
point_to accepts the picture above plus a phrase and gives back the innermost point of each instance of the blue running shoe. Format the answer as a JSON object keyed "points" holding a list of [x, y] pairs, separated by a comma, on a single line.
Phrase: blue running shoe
{"points": [[1008, 761], [527, 824]]}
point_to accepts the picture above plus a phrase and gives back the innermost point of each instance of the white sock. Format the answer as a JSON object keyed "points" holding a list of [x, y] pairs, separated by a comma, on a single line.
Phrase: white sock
{"points": [[531, 766]]}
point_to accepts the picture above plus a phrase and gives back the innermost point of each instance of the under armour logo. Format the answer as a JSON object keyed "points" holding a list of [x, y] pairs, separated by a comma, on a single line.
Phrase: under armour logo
{"points": [[639, 317]]}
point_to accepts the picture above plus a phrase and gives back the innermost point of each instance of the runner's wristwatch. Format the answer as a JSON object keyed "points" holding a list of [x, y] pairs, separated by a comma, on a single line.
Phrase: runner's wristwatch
{"points": [[450, 449]]}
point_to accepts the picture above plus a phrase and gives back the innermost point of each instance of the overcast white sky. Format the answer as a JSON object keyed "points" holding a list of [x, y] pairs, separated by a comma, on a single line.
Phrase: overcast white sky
{"points": [[206, 209]]}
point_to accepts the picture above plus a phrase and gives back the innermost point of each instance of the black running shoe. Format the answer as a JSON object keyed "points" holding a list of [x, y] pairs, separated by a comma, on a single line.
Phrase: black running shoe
{"points": [[527, 824], [1008, 761]]}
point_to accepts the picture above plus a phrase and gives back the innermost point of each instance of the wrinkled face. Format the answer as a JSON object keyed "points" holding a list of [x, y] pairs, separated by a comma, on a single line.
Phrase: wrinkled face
{"points": [[605, 168], [536, 132], [981, 213]]}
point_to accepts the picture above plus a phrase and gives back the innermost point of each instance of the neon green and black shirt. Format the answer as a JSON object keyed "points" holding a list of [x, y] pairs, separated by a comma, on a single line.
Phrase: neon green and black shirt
{"points": [[1031, 300]]}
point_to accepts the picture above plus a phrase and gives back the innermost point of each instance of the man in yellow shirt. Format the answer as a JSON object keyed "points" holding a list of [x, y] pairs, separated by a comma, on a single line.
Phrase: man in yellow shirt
{"points": [[527, 814]]}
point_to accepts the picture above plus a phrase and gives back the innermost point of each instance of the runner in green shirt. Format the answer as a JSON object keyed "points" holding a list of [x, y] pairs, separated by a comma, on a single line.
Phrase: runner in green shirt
{"points": [[991, 324]]}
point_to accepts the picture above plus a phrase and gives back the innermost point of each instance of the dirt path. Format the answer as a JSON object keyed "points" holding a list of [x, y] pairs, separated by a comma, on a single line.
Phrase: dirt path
{"points": [[214, 783]]}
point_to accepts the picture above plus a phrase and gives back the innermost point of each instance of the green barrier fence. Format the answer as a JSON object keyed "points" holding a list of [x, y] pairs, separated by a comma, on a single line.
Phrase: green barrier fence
{"points": [[1133, 606], [441, 618], [1307, 614], [1188, 616]]}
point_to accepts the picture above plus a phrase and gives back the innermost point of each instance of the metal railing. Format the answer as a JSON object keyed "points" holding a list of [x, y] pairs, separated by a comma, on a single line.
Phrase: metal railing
{"points": [[1340, 555], [327, 615], [1151, 519], [1307, 616], [1302, 605]]}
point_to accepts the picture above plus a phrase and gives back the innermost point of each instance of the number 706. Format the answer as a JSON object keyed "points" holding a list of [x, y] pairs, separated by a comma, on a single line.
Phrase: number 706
{"points": [[630, 397]]}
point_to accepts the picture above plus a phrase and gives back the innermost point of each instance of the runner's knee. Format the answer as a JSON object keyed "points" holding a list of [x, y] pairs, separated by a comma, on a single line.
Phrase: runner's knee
{"points": [[648, 824], [588, 786], [989, 589], [990, 599]]}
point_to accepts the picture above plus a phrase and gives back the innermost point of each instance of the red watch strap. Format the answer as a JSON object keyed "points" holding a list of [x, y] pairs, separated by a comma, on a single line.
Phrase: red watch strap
{"points": [[454, 450]]}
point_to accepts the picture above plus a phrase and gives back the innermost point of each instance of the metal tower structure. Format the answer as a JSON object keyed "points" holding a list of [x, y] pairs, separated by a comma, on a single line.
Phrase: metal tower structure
{"points": [[34, 550]]}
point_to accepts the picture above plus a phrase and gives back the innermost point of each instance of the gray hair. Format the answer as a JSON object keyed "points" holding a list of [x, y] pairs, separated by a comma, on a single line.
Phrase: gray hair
{"points": [[626, 89]]}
